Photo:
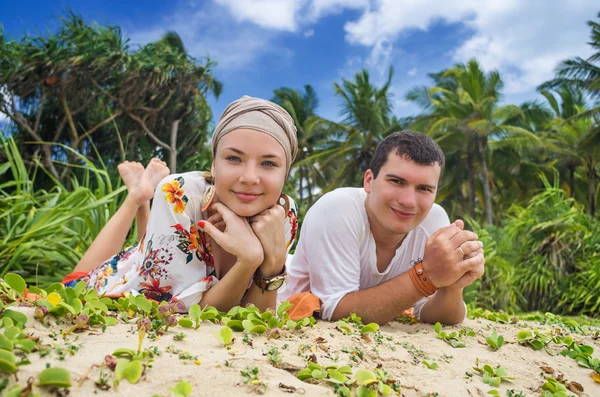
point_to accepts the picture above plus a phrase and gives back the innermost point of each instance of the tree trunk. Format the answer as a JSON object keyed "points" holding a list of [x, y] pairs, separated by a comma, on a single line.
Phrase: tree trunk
{"points": [[173, 148], [301, 187], [485, 179], [471, 178], [571, 181], [592, 189]]}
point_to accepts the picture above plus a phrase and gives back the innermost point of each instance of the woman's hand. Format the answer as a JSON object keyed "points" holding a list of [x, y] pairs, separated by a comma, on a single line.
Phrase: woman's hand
{"points": [[269, 228], [237, 237]]}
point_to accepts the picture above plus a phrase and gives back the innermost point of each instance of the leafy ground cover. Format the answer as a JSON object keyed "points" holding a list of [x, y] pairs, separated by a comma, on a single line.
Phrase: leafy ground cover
{"points": [[72, 340]]}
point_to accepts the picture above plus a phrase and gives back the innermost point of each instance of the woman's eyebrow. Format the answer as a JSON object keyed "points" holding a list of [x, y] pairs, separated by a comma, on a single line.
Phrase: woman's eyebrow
{"points": [[266, 156]]}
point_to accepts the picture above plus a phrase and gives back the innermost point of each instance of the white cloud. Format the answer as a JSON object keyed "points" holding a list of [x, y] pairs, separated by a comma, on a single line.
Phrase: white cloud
{"points": [[412, 72], [309, 33], [523, 40], [320, 8], [270, 14], [211, 31]]}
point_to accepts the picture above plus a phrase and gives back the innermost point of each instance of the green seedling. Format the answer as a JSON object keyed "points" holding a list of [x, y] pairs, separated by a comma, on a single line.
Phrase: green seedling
{"points": [[56, 377], [19, 318], [370, 383], [180, 336], [198, 315], [492, 376], [432, 366], [343, 326], [250, 375], [274, 357], [130, 370], [372, 327], [453, 339], [534, 339], [181, 389], [225, 336], [353, 318], [495, 341], [8, 361], [17, 286], [553, 388], [580, 353]]}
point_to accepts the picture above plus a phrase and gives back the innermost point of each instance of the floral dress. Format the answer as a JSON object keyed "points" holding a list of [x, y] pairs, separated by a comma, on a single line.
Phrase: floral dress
{"points": [[174, 259]]}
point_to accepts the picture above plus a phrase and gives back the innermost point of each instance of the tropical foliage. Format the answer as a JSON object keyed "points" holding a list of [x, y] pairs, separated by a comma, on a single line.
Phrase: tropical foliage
{"points": [[80, 100]]}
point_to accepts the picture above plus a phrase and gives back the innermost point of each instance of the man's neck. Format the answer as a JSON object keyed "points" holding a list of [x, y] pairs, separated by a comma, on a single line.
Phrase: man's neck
{"points": [[383, 239]]}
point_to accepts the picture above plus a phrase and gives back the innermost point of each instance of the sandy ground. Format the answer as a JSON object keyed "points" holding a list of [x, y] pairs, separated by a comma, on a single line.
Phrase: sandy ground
{"points": [[399, 350]]}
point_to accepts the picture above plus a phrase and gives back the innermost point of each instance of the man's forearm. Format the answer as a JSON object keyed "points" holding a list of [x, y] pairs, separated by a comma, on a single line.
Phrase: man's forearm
{"points": [[446, 306], [379, 304]]}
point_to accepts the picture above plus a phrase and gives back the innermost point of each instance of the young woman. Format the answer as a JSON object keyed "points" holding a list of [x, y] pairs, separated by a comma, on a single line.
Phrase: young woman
{"points": [[217, 239]]}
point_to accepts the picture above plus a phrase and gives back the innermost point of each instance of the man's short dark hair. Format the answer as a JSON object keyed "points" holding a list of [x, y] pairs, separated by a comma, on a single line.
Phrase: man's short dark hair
{"points": [[413, 145]]}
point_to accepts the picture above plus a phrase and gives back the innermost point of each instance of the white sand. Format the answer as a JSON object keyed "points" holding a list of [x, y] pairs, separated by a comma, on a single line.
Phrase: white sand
{"points": [[214, 378]]}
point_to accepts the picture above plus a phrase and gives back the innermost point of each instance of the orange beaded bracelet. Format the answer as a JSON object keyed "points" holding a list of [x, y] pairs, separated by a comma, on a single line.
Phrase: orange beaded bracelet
{"points": [[420, 279]]}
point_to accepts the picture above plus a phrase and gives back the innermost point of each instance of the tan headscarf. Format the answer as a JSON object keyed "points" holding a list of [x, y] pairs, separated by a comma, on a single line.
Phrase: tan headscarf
{"points": [[261, 115]]}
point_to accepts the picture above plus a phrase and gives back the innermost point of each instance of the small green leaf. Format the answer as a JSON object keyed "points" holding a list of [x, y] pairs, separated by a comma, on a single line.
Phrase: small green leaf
{"points": [[143, 303], [318, 374], [8, 361], [227, 335], [364, 375], [185, 322], [304, 373], [55, 376], [195, 311], [181, 389], [283, 308], [524, 334], [363, 391], [121, 368], [5, 343], [15, 282], [372, 327], [235, 325], [337, 376], [134, 371], [437, 327], [108, 320], [18, 317], [345, 369]]}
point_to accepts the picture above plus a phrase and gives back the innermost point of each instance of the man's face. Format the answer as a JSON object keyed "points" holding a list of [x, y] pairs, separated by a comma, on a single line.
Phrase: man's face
{"points": [[401, 195]]}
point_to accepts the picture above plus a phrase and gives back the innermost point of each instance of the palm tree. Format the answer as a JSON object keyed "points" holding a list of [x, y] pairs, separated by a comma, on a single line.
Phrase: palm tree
{"points": [[463, 107], [579, 73], [367, 110], [313, 133], [574, 138]]}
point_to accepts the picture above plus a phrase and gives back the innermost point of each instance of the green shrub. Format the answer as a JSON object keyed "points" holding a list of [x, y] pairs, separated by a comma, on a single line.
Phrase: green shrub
{"points": [[43, 233]]}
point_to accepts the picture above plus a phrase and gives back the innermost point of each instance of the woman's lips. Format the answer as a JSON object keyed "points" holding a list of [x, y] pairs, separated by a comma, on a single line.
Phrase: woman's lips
{"points": [[402, 214], [247, 197]]}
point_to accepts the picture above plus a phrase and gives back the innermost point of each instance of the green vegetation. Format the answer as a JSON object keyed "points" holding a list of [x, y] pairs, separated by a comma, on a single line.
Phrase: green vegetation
{"points": [[524, 176]]}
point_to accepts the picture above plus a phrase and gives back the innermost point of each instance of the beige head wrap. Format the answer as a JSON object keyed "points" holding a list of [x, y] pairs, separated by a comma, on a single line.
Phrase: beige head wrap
{"points": [[261, 115]]}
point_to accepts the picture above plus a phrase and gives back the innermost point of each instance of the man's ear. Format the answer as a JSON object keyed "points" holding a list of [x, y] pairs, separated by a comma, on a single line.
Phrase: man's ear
{"points": [[367, 180]]}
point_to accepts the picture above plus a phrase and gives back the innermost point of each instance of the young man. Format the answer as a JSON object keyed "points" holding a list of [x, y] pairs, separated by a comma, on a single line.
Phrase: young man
{"points": [[379, 250]]}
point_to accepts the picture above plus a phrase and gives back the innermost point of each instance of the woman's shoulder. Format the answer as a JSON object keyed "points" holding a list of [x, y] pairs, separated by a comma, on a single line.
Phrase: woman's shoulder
{"points": [[195, 180]]}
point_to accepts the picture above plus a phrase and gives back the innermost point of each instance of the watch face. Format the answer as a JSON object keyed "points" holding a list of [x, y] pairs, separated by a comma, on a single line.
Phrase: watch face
{"points": [[275, 285]]}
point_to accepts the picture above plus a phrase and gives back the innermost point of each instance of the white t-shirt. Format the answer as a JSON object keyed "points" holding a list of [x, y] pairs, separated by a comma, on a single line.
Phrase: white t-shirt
{"points": [[336, 253]]}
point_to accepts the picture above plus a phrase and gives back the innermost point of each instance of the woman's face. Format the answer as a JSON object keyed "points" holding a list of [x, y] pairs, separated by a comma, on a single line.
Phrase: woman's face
{"points": [[249, 171]]}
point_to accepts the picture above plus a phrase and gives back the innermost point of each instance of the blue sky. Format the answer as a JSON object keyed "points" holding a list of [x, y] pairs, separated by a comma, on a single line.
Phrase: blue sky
{"points": [[261, 45]]}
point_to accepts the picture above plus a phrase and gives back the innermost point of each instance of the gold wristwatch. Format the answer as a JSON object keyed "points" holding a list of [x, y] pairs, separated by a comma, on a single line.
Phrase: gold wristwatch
{"points": [[269, 283]]}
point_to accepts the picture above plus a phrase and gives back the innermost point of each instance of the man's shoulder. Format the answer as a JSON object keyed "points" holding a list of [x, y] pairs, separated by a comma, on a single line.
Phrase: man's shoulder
{"points": [[435, 219], [344, 198]]}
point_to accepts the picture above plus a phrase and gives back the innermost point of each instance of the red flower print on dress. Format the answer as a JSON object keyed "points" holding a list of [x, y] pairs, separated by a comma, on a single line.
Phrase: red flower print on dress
{"points": [[153, 290]]}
